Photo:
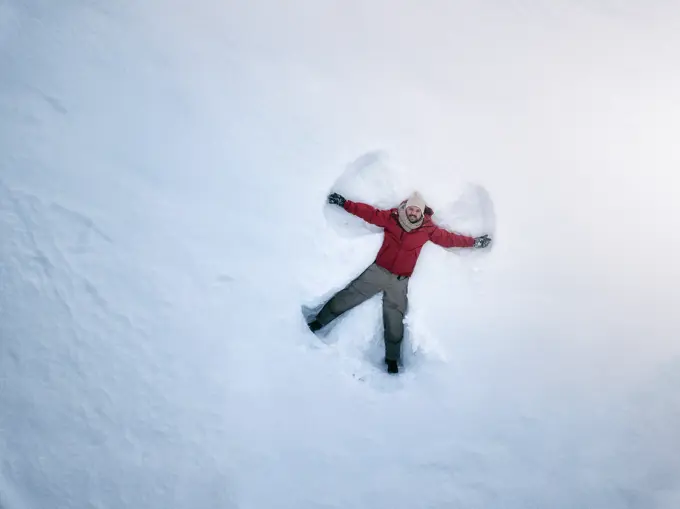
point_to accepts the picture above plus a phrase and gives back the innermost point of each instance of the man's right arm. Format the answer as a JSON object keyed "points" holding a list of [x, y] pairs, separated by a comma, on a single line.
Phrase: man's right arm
{"points": [[366, 212]]}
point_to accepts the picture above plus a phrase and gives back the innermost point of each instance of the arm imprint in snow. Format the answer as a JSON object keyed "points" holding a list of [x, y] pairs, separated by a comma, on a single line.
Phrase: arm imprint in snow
{"points": [[445, 238], [367, 213]]}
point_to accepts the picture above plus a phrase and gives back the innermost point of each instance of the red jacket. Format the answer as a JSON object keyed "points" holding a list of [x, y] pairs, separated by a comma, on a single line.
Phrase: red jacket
{"points": [[400, 249]]}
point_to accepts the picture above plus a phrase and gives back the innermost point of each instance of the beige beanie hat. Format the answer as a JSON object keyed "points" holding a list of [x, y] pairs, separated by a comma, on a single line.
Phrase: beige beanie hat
{"points": [[415, 200]]}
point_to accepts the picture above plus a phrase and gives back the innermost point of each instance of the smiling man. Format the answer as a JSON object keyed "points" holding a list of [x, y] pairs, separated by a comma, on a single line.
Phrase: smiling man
{"points": [[407, 228]]}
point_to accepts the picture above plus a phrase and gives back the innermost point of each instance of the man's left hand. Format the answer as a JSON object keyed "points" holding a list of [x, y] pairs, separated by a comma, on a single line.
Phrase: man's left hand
{"points": [[482, 242]]}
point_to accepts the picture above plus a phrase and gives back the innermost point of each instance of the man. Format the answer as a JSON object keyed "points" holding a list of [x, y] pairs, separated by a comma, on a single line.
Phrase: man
{"points": [[407, 228]]}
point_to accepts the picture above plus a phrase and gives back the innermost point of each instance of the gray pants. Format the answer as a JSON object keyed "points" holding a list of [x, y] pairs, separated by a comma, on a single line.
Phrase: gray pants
{"points": [[395, 300]]}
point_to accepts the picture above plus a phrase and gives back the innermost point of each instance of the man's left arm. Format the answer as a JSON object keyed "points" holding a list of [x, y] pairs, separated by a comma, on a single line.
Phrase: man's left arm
{"points": [[445, 238]]}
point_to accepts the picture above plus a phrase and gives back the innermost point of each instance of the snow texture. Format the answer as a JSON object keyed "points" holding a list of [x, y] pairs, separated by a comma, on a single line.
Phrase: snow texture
{"points": [[164, 168]]}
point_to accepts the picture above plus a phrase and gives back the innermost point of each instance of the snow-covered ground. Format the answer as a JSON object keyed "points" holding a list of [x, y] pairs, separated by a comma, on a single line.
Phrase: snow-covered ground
{"points": [[163, 171]]}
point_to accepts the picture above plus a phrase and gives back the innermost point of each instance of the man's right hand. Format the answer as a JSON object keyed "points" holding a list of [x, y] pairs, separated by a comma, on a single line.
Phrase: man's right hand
{"points": [[336, 199]]}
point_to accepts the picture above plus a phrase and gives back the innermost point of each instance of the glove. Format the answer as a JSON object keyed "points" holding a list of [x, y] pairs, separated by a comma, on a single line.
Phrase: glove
{"points": [[482, 242], [336, 199]]}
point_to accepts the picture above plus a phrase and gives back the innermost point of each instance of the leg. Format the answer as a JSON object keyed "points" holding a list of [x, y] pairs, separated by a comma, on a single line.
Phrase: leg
{"points": [[395, 302], [362, 288]]}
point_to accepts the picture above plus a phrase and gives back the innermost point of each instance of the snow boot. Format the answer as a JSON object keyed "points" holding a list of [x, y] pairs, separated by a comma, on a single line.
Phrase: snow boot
{"points": [[392, 367], [314, 325]]}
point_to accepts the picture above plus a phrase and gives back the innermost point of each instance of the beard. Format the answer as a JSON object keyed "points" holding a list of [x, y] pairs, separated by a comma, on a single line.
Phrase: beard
{"points": [[413, 218]]}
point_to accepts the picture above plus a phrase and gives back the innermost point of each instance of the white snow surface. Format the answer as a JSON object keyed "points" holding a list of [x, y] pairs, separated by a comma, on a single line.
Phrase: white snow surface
{"points": [[163, 174]]}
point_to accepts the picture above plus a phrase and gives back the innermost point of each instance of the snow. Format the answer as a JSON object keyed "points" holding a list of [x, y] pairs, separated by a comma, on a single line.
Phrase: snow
{"points": [[163, 170]]}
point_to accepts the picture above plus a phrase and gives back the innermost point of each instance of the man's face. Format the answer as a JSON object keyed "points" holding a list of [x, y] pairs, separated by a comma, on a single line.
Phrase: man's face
{"points": [[414, 214]]}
